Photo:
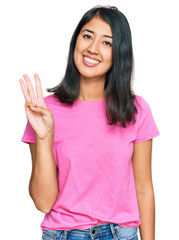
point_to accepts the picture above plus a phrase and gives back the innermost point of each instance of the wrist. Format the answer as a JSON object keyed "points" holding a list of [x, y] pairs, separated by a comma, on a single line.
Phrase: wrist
{"points": [[48, 141]]}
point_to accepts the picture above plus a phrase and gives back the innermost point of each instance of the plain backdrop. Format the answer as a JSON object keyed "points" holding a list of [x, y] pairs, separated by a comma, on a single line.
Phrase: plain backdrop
{"points": [[35, 38]]}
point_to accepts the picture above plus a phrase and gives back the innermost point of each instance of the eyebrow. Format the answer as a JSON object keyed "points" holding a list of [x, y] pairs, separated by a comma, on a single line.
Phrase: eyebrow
{"points": [[93, 32]]}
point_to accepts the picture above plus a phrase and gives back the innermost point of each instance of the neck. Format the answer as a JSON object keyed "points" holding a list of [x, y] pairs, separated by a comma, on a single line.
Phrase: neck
{"points": [[91, 89]]}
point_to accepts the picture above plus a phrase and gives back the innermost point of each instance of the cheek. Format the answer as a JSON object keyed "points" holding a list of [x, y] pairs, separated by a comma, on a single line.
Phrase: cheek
{"points": [[106, 53], [77, 48], [108, 57], [79, 45], [76, 55], [78, 52], [111, 60]]}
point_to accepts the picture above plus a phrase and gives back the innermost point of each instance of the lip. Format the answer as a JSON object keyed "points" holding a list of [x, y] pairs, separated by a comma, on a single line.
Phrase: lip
{"points": [[92, 58], [90, 64]]}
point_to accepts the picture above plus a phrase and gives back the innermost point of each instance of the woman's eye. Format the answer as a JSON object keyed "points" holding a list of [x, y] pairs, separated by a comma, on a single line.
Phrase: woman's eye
{"points": [[108, 43], [89, 37], [86, 36]]}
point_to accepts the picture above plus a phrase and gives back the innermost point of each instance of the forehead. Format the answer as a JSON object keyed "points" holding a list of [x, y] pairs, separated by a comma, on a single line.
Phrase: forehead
{"points": [[99, 26]]}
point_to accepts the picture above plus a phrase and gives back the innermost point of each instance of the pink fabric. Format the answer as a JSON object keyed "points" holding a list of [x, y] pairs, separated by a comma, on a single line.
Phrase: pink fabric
{"points": [[95, 175]]}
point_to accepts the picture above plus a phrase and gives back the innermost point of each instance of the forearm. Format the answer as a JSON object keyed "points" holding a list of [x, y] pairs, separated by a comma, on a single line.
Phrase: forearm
{"points": [[146, 203], [43, 186]]}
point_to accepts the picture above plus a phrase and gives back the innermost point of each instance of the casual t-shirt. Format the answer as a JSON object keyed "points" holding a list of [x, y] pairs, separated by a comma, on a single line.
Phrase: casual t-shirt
{"points": [[94, 167]]}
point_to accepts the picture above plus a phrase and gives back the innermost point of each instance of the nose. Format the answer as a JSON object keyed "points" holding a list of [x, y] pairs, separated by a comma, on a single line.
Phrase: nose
{"points": [[93, 47]]}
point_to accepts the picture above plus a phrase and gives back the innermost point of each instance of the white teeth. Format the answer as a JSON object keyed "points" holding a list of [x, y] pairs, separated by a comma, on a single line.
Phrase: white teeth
{"points": [[90, 60]]}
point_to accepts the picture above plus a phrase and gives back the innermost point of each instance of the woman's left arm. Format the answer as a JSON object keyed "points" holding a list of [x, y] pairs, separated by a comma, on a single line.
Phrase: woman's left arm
{"points": [[141, 160]]}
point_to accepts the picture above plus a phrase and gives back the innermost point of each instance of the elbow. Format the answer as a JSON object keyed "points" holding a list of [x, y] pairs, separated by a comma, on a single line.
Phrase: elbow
{"points": [[43, 206], [43, 210]]}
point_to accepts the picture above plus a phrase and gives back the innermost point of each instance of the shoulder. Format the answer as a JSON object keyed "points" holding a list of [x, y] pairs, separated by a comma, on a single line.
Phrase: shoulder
{"points": [[52, 101], [57, 108], [141, 103]]}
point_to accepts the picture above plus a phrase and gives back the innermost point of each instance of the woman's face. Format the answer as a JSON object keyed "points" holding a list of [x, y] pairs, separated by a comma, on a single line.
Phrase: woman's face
{"points": [[93, 50]]}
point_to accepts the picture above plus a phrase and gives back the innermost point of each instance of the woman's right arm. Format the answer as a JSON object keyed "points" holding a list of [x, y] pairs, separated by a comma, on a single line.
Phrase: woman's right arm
{"points": [[43, 185]]}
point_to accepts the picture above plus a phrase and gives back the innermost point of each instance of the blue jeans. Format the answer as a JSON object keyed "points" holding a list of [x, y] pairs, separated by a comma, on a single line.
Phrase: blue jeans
{"points": [[107, 231]]}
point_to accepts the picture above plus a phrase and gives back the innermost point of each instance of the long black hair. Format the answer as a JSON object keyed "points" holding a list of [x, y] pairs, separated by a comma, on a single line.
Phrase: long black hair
{"points": [[119, 95]]}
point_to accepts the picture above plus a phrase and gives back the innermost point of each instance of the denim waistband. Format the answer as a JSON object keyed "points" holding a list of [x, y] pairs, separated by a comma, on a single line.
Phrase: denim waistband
{"points": [[94, 231]]}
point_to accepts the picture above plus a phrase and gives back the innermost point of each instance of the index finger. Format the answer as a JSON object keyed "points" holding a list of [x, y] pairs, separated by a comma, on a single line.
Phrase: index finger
{"points": [[24, 90], [30, 88]]}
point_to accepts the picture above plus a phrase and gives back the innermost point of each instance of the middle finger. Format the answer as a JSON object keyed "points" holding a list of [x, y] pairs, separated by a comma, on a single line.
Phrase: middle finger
{"points": [[30, 88]]}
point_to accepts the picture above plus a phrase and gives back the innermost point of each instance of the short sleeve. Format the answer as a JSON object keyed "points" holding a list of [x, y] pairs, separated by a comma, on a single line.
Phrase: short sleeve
{"points": [[29, 135], [147, 128]]}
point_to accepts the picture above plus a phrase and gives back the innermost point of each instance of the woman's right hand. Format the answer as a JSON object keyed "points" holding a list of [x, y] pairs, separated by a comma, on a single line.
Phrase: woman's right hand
{"points": [[39, 117]]}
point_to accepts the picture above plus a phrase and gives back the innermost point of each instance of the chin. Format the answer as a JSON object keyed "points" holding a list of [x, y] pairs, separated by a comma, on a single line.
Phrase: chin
{"points": [[89, 75]]}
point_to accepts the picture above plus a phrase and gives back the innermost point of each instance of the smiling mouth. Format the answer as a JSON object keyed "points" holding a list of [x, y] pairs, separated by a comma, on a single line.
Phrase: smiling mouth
{"points": [[90, 62]]}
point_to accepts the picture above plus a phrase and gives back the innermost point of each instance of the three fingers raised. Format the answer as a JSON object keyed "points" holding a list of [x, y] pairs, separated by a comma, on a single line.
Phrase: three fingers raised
{"points": [[28, 90]]}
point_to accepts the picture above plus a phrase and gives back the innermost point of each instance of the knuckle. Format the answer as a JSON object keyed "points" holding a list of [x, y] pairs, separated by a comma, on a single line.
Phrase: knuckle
{"points": [[50, 113], [27, 103]]}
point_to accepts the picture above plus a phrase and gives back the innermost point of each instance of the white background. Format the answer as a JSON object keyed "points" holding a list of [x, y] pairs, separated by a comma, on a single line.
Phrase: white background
{"points": [[35, 37]]}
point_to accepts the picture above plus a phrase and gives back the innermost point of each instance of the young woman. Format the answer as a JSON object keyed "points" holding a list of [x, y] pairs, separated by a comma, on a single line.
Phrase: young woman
{"points": [[91, 140]]}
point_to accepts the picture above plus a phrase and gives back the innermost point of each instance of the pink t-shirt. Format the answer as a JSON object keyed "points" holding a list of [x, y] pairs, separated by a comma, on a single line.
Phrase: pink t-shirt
{"points": [[95, 174]]}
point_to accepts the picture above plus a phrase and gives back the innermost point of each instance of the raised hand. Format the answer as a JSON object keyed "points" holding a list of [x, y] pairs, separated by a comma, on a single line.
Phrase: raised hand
{"points": [[40, 118]]}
